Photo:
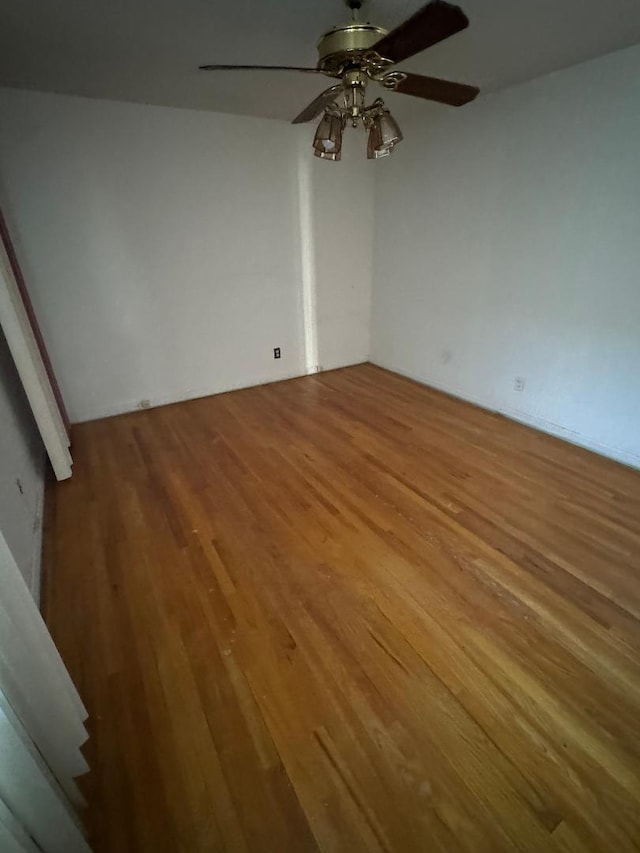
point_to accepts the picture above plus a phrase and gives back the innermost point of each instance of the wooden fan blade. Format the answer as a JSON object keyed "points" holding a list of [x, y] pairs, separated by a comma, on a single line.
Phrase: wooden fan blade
{"points": [[433, 23], [434, 89], [318, 104], [258, 68]]}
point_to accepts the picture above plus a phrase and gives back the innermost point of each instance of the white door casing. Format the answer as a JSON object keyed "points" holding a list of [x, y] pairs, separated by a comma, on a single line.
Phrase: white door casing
{"points": [[41, 727], [33, 375]]}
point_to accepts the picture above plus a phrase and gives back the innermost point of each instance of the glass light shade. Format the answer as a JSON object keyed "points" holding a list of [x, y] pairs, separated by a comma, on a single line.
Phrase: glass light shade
{"points": [[328, 138], [375, 149], [383, 135], [390, 133]]}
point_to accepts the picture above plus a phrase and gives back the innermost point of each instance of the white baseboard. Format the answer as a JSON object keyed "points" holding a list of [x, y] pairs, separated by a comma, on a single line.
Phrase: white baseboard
{"points": [[330, 365], [128, 406], [542, 425]]}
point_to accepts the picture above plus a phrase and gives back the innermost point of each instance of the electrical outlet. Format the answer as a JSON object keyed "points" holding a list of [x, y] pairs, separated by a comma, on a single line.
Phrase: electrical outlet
{"points": [[276, 352], [518, 384], [144, 404]]}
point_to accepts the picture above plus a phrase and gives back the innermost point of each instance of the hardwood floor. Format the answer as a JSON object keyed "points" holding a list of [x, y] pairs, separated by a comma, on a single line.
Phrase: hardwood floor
{"points": [[349, 613]]}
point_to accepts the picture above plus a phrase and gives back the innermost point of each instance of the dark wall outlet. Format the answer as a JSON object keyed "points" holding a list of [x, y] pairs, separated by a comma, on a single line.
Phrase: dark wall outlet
{"points": [[276, 352]]}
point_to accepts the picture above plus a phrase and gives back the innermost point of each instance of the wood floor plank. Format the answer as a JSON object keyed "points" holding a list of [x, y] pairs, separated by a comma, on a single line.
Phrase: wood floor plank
{"points": [[349, 613]]}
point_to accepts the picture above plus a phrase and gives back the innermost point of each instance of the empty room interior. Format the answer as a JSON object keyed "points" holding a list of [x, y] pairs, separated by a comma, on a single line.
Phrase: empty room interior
{"points": [[320, 426]]}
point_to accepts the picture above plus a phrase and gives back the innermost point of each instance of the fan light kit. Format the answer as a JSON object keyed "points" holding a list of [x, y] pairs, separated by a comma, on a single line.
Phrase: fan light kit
{"points": [[359, 53]]}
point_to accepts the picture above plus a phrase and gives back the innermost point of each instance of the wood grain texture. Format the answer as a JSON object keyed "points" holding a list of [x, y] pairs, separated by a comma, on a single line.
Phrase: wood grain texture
{"points": [[349, 613]]}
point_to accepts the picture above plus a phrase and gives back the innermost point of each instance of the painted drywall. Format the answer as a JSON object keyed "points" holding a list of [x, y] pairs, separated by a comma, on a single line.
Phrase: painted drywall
{"points": [[160, 246], [342, 214], [508, 246], [22, 467], [165, 249]]}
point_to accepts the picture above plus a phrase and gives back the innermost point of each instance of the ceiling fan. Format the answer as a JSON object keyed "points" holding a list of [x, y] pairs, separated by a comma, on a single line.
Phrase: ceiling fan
{"points": [[357, 53]]}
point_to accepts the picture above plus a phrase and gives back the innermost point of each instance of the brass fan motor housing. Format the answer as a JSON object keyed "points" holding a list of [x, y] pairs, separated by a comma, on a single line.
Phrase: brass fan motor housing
{"points": [[348, 46]]}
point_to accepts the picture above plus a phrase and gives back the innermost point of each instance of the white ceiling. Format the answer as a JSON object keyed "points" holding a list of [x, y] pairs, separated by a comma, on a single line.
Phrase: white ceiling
{"points": [[149, 50]]}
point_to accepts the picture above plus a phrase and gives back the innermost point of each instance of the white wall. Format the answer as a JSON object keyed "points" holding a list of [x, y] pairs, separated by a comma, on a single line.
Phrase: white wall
{"points": [[22, 466], [508, 245], [160, 246], [343, 210]]}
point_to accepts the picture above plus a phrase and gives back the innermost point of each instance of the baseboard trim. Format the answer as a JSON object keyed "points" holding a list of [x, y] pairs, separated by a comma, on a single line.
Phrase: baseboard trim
{"points": [[327, 367], [192, 394], [557, 430]]}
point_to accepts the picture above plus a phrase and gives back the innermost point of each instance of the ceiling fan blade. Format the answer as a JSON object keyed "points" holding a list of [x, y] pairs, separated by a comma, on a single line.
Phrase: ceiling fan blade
{"points": [[433, 23], [318, 104], [258, 68], [434, 89]]}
